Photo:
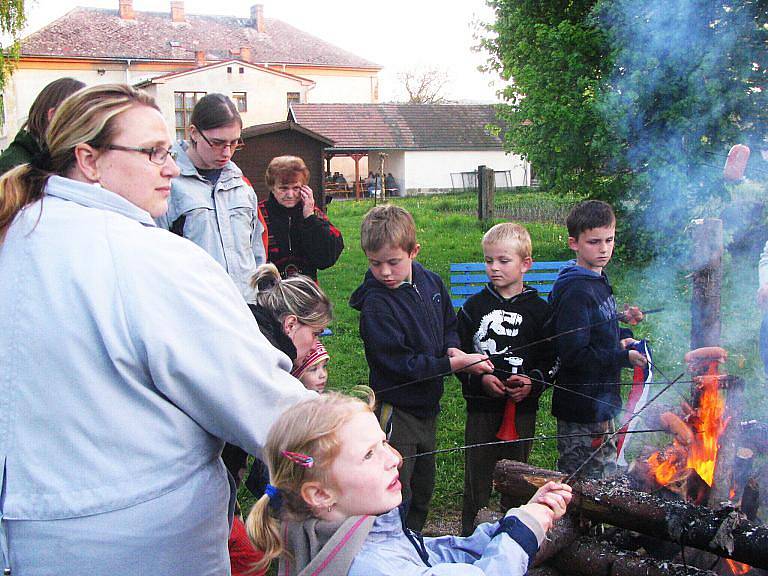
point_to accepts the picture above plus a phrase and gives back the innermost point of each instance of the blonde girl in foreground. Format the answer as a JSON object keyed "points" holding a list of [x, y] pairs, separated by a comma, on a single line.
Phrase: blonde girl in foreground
{"points": [[332, 505]]}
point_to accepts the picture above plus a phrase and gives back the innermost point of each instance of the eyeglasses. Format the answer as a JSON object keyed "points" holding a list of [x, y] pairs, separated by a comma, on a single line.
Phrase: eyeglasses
{"points": [[219, 145], [157, 154]]}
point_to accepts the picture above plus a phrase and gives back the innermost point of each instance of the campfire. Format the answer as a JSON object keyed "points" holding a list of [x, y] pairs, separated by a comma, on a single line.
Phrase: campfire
{"points": [[694, 500], [690, 460]]}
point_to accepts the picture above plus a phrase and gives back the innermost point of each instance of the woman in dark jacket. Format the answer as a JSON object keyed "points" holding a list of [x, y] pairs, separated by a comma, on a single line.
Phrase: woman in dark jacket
{"points": [[301, 238]]}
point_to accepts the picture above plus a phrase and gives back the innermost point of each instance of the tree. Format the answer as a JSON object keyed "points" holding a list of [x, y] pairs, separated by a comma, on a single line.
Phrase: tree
{"points": [[633, 101], [12, 21], [424, 86]]}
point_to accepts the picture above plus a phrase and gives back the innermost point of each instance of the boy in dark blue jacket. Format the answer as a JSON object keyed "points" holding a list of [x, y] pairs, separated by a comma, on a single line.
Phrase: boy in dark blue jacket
{"points": [[408, 328], [591, 346]]}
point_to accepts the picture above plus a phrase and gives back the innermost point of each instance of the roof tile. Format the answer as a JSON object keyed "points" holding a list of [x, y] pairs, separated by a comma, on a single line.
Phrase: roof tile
{"points": [[99, 33], [402, 126]]}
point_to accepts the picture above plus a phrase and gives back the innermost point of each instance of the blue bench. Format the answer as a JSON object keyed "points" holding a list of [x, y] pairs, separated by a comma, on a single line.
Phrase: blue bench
{"points": [[469, 278]]}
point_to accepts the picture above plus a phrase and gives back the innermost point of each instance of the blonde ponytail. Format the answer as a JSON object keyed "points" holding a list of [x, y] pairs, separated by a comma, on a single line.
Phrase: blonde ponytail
{"points": [[264, 531]]}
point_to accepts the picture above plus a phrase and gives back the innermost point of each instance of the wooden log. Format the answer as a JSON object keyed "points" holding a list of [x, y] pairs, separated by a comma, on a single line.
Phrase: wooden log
{"points": [[722, 532], [589, 557], [707, 236], [543, 571], [564, 532], [750, 499]]}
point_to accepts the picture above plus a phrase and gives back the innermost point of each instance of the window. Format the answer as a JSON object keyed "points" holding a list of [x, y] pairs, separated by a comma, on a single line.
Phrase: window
{"points": [[241, 101], [293, 98], [184, 102]]}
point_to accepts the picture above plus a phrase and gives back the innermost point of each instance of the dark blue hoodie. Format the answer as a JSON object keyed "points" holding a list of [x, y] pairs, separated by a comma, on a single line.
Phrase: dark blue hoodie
{"points": [[407, 332], [584, 312]]}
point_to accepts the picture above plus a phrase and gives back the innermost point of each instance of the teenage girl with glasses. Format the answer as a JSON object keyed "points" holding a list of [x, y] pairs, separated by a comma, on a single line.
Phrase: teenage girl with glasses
{"points": [[211, 202]]}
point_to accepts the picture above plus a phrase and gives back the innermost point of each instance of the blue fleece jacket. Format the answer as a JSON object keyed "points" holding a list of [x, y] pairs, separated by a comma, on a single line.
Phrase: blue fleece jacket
{"points": [[588, 344], [407, 332]]}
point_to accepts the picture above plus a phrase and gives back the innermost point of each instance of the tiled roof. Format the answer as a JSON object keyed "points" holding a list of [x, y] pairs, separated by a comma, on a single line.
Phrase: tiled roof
{"points": [[99, 33], [402, 126]]}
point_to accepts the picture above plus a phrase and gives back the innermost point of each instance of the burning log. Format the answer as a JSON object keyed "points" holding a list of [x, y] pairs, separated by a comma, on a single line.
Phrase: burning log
{"points": [[589, 557], [724, 481], [723, 532]]}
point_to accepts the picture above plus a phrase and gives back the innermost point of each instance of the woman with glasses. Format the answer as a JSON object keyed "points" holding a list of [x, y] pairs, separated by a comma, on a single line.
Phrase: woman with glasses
{"points": [[211, 202], [128, 358]]}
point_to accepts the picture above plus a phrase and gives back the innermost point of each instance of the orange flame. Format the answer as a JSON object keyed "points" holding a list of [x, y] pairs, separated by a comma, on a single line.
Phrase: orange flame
{"points": [[737, 568], [702, 453]]}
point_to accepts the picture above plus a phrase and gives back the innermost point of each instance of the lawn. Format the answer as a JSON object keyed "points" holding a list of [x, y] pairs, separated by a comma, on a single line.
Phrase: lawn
{"points": [[449, 232]]}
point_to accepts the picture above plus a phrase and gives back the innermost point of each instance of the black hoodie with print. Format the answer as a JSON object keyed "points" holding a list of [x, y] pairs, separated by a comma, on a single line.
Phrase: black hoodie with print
{"points": [[508, 327]]}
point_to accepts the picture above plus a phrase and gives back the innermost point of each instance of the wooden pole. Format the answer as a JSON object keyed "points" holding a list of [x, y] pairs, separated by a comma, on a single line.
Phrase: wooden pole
{"points": [[486, 189], [707, 236]]}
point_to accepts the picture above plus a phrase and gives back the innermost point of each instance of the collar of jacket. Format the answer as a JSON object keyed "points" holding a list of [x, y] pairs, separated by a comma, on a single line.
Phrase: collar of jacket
{"points": [[230, 169], [274, 207], [94, 196], [525, 294]]}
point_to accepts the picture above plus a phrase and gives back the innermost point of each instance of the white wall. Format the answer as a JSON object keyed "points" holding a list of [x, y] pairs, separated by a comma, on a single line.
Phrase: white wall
{"points": [[432, 170], [342, 89], [25, 84], [266, 92]]}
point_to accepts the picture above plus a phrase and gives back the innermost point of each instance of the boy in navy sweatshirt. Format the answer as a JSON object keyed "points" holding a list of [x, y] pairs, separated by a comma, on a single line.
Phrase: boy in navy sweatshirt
{"points": [[408, 328], [505, 320], [591, 346]]}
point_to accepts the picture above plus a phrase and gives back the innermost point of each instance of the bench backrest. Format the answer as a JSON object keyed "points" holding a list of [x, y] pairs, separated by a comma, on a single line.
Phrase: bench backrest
{"points": [[468, 278]]}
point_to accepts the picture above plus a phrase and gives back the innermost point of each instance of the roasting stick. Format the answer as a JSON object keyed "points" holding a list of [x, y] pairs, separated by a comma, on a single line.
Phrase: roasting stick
{"points": [[542, 437], [513, 350]]}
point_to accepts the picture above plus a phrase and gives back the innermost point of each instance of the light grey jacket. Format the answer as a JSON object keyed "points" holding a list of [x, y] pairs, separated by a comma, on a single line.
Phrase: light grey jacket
{"points": [[127, 358], [223, 220]]}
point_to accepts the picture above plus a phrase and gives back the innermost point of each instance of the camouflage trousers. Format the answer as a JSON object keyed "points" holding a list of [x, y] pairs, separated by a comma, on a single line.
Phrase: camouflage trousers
{"points": [[573, 452]]}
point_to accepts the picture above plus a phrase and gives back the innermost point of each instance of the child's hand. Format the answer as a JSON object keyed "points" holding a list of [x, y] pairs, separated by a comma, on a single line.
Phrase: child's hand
{"points": [[542, 514], [632, 315], [493, 386], [554, 495], [308, 198], [518, 387], [762, 296], [637, 359], [476, 364], [627, 342]]}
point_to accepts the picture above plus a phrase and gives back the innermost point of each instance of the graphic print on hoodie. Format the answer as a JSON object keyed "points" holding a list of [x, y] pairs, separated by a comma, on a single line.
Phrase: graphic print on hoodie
{"points": [[506, 329]]}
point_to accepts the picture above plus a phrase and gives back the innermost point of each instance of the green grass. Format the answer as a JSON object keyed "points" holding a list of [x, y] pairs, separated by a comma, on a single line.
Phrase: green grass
{"points": [[448, 232]]}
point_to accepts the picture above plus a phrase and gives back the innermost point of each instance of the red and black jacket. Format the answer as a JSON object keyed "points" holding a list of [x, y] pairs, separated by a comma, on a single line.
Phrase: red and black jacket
{"points": [[299, 245]]}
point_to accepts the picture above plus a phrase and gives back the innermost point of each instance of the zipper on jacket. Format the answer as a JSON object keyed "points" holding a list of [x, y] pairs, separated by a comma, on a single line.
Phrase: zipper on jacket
{"points": [[290, 246], [433, 328]]}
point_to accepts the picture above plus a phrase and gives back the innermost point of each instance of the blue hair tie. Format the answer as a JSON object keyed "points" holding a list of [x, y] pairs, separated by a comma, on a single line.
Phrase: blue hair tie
{"points": [[275, 499]]}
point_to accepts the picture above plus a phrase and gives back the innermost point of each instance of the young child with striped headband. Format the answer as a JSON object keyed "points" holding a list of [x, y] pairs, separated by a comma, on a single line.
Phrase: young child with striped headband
{"points": [[332, 505], [313, 370]]}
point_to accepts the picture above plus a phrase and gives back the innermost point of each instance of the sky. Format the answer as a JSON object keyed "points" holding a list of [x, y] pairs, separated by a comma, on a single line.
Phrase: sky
{"points": [[399, 35]]}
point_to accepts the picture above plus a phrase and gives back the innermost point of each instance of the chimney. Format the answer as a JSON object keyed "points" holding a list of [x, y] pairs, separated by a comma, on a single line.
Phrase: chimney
{"points": [[257, 17], [199, 58], [177, 10], [126, 10], [245, 54]]}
